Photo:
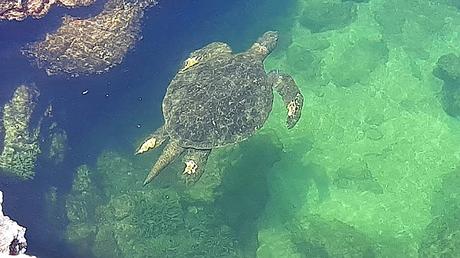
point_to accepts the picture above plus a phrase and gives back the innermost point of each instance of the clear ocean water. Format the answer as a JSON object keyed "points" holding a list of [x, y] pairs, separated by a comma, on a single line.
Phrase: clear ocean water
{"points": [[370, 170]]}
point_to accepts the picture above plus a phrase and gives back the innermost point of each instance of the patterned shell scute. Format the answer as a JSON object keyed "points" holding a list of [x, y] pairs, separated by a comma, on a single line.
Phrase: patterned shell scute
{"points": [[218, 102]]}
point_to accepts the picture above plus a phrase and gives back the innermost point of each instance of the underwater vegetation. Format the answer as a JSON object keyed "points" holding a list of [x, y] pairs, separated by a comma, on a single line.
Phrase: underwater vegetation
{"points": [[92, 45]]}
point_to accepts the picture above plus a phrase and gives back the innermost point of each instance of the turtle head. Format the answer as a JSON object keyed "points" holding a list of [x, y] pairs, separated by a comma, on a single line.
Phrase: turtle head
{"points": [[265, 44]]}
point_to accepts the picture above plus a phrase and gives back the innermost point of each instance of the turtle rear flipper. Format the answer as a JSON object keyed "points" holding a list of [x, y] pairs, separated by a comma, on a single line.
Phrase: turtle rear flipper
{"points": [[292, 98], [195, 162], [170, 152]]}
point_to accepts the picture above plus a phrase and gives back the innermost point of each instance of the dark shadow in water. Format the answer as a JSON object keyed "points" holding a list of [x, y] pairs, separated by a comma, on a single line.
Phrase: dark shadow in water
{"points": [[245, 189]]}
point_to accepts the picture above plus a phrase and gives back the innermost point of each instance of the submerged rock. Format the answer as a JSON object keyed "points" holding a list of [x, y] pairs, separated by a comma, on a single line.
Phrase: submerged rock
{"points": [[21, 138], [79, 207], [56, 144], [19, 10], [356, 63], [320, 17], [318, 237], [448, 69], [92, 45], [122, 219]]}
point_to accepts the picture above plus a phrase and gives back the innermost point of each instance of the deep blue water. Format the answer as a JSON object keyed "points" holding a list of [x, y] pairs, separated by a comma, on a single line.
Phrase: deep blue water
{"points": [[124, 104]]}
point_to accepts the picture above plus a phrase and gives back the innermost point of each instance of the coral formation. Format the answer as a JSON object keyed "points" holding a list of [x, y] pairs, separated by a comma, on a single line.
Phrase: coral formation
{"points": [[92, 45], [19, 10], [21, 146]]}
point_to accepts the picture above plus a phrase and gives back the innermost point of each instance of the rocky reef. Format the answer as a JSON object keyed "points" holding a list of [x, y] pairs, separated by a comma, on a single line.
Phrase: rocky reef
{"points": [[20, 137], [19, 10], [12, 236], [124, 219], [92, 45]]}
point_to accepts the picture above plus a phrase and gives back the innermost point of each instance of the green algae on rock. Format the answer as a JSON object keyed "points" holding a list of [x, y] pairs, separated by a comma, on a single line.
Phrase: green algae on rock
{"points": [[448, 69], [84, 196], [92, 45], [21, 137]]}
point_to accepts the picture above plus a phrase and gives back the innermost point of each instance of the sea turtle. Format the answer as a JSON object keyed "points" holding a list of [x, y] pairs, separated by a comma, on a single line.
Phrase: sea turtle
{"points": [[219, 98]]}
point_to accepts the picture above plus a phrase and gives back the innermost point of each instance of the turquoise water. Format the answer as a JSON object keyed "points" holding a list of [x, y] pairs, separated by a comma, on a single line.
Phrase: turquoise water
{"points": [[370, 170]]}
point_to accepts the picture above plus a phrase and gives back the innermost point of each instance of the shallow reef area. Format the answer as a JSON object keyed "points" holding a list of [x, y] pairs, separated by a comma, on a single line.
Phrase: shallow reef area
{"points": [[380, 142], [111, 214], [371, 169]]}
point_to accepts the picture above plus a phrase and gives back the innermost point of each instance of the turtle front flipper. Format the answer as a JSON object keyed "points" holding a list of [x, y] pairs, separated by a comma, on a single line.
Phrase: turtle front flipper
{"points": [[292, 98], [153, 141], [170, 152], [195, 162]]}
